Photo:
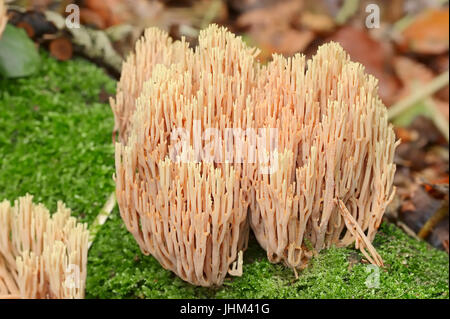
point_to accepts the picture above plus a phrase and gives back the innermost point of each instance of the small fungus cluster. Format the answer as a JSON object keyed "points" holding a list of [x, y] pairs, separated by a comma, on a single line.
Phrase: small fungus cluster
{"points": [[42, 256]]}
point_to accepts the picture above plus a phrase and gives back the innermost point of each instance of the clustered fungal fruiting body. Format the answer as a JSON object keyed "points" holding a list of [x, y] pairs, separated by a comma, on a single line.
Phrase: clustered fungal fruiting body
{"points": [[41, 256], [190, 202], [335, 164], [153, 49], [191, 216]]}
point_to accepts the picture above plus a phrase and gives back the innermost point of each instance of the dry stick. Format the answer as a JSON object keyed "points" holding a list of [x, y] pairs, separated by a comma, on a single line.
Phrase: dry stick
{"points": [[407, 230], [357, 232], [438, 83], [101, 218], [439, 215]]}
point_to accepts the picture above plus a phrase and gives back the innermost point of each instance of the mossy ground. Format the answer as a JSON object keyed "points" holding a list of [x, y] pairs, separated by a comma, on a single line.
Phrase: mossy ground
{"points": [[55, 143]]}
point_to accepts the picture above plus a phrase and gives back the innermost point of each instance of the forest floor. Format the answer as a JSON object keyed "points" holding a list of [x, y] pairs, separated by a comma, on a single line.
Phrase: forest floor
{"points": [[55, 143]]}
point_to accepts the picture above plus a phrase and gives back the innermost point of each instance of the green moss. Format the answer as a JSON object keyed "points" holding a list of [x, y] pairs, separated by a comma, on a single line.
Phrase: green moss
{"points": [[55, 143], [117, 269], [55, 137]]}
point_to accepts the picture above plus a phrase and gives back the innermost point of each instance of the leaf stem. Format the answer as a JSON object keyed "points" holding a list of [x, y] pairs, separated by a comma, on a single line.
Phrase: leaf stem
{"points": [[102, 217], [438, 83]]}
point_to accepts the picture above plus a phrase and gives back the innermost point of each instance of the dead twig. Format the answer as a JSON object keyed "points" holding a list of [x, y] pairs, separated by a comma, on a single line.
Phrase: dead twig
{"points": [[101, 218], [438, 83], [362, 242], [439, 215]]}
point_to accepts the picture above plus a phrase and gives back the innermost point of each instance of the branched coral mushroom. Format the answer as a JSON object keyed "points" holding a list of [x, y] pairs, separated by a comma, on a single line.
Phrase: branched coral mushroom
{"points": [[191, 217], [41, 256], [335, 164], [189, 201], [154, 48]]}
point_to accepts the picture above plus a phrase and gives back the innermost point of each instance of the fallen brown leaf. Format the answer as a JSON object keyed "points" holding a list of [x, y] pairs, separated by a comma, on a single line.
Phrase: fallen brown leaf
{"points": [[412, 74], [428, 33], [280, 13], [91, 18], [271, 28], [317, 22], [422, 208], [410, 71], [245, 5], [111, 12]]}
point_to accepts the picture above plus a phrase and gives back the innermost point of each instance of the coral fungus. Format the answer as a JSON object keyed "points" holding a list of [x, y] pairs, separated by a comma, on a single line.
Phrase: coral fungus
{"points": [[299, 151], [41, 256], [334, 143]]}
